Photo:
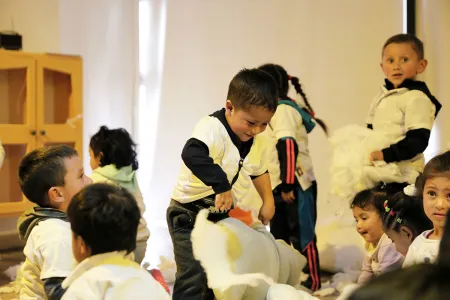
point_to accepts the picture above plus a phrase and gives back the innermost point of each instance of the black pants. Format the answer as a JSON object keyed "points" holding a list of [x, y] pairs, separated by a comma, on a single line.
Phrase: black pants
{"points": [[285, 225], [190, 279]]}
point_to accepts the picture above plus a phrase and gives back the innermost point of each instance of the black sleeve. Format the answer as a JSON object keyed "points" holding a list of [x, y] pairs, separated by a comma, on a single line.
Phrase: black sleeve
{"points": [[287, 155], [370, 126], [196, 157], [415, 142], [253, 177], [53, 288]]}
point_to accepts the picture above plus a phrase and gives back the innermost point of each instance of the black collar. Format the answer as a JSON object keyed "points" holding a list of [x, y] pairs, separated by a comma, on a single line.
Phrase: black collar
{"points": [[243, 147]]}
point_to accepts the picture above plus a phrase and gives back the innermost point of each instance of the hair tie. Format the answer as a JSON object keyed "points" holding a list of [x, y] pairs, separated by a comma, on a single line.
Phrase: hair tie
{"points": [[289, 77], [399, 221], [392, 213], [386, 207], [410, 190]]}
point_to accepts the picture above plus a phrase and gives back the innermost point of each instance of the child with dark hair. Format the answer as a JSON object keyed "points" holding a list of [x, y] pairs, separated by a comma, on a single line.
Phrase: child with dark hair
{"points": [[104, 220], [381, 254], [48, 177], [114, 160], [422, 281], [291, 173], [434, 186], [404, 218], [405, 109], [223, 157]]}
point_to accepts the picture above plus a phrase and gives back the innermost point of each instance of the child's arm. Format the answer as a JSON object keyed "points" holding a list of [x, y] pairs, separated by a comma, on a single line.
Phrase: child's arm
{"points": [[419, 118], [366, 270], [264, 189], [284, 126], [198, 154]]}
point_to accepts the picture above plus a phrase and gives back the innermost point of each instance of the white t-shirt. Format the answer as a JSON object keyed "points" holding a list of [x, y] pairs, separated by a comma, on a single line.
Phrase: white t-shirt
{"points": [[48, 253], [422, 250], [111, 276], [224, 153]]}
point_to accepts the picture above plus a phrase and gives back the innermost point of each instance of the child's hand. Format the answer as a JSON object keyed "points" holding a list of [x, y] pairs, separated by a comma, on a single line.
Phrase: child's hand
{"points": [[266, 212], [288, 197], [224, 201], [376, 156]]}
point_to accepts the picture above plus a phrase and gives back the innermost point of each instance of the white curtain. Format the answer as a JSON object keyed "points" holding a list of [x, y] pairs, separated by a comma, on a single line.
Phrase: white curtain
{"points": [[105, 34], [433, 24]]}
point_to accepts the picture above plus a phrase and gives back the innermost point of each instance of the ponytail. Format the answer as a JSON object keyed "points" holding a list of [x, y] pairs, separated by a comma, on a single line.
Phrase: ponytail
{"points": [[298, 88]]}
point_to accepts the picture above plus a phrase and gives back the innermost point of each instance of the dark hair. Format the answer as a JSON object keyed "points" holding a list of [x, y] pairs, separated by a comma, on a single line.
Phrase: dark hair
{"points": [[407, 38], [370, 198], [282, 78], [409, 209], [438, 166], [253, 87], [117, 147], [423, 281], [106, 217], [42, 169]]}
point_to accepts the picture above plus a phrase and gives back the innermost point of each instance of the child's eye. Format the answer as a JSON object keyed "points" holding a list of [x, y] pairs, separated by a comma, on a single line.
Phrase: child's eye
{"points": [[405, 59], [250, 123], [390, 60], [431, 193]]}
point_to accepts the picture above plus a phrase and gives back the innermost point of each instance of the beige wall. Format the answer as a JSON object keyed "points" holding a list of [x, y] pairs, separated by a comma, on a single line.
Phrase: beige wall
{"points": [[36, 20]]}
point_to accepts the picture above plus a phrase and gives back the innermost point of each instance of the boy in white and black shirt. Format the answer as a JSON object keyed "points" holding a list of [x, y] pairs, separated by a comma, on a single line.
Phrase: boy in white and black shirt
{"points": [[405, 109], [220, 162]]}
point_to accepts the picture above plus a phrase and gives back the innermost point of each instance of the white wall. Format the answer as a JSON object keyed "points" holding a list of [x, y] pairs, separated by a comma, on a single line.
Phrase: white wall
{"points": [[37, 22]]}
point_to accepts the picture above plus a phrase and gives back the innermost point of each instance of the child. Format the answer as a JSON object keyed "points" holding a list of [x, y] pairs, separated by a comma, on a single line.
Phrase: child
{"points": [[114, 160], [104, 219], [49, 177], [291, 174], [423, 281], [405, 110], [434, 186], [381, 254], [404, 218], [220, 161]]}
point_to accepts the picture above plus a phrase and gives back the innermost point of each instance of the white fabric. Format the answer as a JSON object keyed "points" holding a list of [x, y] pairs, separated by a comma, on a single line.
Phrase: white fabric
{"points": [[393, 113], [422, 250], [242, 262], [287, 292], [111, 276], [48, 253], [350, 168], [287, 122], [224, 153], [126, 178]]}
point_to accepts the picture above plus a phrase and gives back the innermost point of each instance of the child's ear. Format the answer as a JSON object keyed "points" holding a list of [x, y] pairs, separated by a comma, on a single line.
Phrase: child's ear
{"points": [[422, 66], [56, 195], [229, 107], [408, 232]]}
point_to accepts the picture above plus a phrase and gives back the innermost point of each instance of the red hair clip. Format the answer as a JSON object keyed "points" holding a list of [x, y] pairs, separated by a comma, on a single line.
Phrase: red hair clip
{"points": [[289, 77]]}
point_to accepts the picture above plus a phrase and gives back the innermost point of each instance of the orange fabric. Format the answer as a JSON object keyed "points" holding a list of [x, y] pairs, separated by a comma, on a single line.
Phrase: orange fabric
{"points": [[244, 216]]}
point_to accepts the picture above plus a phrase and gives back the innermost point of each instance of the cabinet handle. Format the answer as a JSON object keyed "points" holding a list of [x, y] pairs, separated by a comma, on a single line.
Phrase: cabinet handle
{"points": [[33, 132], [43, 132]]}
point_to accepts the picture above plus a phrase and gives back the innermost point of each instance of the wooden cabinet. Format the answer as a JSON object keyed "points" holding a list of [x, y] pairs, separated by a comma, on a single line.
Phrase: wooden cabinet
{"points": [[40, 105]]}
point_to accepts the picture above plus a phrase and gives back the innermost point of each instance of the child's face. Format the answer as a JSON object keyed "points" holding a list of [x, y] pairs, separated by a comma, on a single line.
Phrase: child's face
{"points": [[247, 123], [436, 200], [74, 180], [79, 248], [368, 223], [401, 239], [94, 160], [400, 61]]}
